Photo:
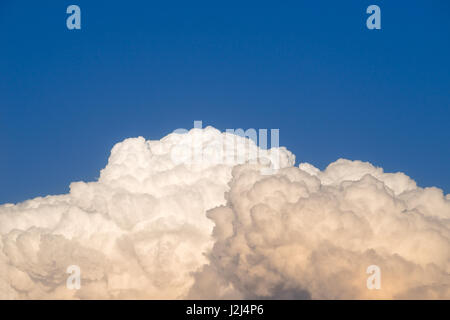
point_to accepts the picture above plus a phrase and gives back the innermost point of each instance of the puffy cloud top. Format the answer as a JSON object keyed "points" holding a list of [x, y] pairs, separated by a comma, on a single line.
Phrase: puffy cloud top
{"points": [[185, 216], [306, 233], [138, 232]]}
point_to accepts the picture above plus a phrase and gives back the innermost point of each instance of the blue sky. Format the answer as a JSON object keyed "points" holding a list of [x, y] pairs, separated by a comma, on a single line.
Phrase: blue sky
{"points": [[143, 68]]}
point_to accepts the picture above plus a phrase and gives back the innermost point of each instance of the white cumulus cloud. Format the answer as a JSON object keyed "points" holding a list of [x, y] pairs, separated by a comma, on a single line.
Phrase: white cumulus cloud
{"points": [[304, 233], [185, 217], [137, 232]]}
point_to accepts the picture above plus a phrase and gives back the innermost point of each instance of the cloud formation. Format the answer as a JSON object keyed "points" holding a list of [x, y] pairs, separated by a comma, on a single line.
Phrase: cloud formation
{"points": [[306, 233], [138, 232], [157, 227]]}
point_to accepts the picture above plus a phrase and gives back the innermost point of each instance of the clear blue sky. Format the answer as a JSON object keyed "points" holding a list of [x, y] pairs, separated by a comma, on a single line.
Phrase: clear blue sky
{"points": [[310, 68]]}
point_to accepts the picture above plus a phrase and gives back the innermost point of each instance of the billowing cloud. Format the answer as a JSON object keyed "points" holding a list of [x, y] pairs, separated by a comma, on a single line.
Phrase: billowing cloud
{"points": [[305, 233], [160, 224], [138, 232]]}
